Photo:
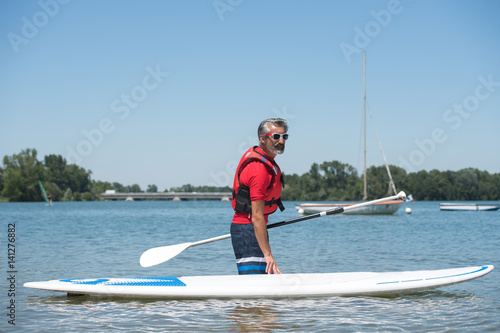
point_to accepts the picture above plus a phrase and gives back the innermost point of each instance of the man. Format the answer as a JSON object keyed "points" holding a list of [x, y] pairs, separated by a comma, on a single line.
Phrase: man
{"points": [[256, 194]]}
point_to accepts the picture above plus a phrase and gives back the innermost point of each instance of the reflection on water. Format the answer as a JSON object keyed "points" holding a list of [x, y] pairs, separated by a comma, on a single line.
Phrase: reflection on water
{"points": [[252, 316]]}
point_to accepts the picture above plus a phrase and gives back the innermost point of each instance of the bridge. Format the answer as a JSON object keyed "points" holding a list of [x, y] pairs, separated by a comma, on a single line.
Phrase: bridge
{"points": [[175, 196]]}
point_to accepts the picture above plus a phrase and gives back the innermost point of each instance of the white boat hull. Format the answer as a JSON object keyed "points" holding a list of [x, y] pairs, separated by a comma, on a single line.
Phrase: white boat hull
{"points": [[383, 208], [266, 286], [467, 207]]}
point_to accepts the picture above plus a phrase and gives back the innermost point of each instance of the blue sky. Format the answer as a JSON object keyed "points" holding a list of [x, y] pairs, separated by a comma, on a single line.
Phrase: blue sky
{"points": [[172, 92]]}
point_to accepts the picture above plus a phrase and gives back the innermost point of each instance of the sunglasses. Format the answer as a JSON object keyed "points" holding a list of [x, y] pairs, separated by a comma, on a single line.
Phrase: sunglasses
{"points": [[277, 136]]}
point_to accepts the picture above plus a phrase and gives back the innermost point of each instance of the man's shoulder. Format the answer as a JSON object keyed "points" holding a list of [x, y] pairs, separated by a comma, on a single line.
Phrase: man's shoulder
{"points": [[255, 165], [256, 171]]}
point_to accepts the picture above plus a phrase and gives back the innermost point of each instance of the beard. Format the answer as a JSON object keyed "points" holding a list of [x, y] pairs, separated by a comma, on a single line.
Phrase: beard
{"points": [[277, 149]]}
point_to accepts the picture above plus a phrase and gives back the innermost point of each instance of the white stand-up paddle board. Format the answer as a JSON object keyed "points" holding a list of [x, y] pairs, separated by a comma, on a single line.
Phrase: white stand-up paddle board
{"points": [[266, 286]]}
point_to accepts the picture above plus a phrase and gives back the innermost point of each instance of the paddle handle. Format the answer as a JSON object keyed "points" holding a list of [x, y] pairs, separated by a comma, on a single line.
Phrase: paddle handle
{"points": [[400, 196]]}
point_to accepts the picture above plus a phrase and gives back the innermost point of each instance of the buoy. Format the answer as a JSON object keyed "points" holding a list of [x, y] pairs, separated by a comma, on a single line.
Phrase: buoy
{"points": [[408, 210]]}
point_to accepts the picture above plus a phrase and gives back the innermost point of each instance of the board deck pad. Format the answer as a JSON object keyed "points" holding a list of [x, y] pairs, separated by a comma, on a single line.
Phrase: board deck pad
{"points": [[266, 286]]}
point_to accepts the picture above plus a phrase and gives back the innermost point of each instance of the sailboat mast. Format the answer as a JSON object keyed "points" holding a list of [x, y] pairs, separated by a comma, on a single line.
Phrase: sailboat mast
{"points": [[365, 196]]}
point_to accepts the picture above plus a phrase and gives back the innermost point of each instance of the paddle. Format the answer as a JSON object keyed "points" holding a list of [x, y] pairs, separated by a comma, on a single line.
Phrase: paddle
{"points": [[158, 255]]}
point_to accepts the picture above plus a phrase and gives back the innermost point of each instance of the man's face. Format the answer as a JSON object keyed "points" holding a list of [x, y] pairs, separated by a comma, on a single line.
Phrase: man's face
{"points": [[274, 146]]}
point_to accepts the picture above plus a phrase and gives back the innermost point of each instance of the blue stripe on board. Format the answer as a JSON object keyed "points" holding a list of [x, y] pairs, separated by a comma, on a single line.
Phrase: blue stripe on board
{"points": [[443, 277], [143, 281], [413, 280], [88, 281], [437, 278]]}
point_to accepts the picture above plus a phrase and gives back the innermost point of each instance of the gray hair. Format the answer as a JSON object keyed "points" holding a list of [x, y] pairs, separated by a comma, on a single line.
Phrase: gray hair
{"points": [[264, 125]]}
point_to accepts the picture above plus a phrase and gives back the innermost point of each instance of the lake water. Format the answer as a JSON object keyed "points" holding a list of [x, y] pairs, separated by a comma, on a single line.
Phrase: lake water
{"points": [[106, 239]]}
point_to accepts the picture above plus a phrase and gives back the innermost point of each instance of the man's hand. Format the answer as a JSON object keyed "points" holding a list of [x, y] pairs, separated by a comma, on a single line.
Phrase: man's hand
{"points": [[260, 227], [272, 266]]}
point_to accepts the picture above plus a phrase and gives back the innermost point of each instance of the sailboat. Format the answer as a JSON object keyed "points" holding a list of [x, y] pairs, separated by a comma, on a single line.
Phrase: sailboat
{"points": [[44, 194], [386, 207]]}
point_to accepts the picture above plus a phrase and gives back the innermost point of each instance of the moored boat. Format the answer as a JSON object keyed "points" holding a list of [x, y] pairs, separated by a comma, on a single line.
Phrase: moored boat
{"points": [[467, 207], [384, 208]]}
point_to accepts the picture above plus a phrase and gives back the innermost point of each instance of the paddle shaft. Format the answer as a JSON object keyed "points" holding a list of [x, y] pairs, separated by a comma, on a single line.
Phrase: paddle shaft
{"points": [[161, 254], [337, 210], [270, 226]]}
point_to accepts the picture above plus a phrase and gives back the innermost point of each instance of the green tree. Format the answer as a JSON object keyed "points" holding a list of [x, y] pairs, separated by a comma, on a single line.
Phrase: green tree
{"points": [[14, 188], [489, 186], [310, 184], [87, 196], [135, 189], [21, 176], [183, 188], [495, 183], [377, 182], [77, 178], [339, 179], [1, 179], [467, 183], [54, 170], [289, 190], [98, 188], [152, 189], [68, 195], [77, 196]]}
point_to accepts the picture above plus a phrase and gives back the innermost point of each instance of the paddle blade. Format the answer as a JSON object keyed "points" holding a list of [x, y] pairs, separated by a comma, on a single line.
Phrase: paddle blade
{"points": [[158, 255]]}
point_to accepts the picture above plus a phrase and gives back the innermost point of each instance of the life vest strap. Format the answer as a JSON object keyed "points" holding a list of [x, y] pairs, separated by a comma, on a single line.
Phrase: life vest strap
{"points": [[244, 204], [277, 202]]}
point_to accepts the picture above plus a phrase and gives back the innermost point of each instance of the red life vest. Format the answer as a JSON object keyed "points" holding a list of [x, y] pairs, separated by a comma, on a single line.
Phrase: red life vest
{"points": [[241, 193]]}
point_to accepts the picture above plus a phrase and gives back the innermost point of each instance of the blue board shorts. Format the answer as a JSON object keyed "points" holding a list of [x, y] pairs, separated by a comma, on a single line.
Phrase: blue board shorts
{"points": [[249, 256]]}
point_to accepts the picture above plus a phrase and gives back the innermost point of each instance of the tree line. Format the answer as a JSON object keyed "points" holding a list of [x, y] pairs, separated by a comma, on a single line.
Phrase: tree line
{"points": [[328, 181], [332, 181], [21, 173]]}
